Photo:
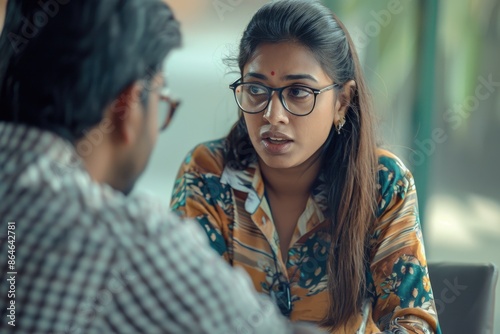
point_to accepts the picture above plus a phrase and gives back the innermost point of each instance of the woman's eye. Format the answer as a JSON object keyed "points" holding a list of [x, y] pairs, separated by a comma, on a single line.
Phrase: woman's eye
{"points": [[299, 92], [256, 90]]}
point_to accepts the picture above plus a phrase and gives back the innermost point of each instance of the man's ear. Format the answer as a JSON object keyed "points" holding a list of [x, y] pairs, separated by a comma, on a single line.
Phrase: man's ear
{"points": [[124, 114], [344, 99]]}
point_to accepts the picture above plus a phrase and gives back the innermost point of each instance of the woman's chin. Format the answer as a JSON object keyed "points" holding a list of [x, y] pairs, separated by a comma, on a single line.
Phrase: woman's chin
{"points": [[277, 162]]}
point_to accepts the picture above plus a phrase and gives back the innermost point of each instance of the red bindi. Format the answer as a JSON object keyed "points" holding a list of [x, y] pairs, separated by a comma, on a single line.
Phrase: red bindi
{"points": [[272, 73]]}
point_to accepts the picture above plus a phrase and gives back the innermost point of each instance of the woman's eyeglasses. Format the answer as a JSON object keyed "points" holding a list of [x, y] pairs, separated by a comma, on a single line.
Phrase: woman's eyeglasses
{"points": [[166, 110], [253, 97]]}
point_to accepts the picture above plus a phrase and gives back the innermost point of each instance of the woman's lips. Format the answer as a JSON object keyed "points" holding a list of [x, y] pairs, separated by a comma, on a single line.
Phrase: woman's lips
{"points": [[275, 135], [275, 142]]}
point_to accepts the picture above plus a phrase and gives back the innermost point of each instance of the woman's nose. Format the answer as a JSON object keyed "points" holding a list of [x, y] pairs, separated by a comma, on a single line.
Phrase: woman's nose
{"points": [[275, 112]]}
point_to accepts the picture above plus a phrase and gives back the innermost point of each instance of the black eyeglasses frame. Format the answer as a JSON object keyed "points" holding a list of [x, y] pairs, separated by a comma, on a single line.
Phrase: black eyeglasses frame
{"points": [[279, 90]]}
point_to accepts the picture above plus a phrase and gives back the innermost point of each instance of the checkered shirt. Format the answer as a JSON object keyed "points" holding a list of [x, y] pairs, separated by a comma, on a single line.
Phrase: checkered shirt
{"points": [[90, 260]]}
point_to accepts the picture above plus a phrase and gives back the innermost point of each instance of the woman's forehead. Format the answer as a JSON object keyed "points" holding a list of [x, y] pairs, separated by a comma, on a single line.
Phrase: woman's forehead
{"points": [[283, 60]]}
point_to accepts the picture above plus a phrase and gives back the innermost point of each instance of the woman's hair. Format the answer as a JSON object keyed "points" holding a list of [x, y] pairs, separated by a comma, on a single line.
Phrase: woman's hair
{"points": [[349, 161], [63, 64]]}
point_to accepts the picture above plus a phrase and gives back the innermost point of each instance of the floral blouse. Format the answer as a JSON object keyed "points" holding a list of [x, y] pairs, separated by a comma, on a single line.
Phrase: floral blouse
{"points": [[232, 208]]}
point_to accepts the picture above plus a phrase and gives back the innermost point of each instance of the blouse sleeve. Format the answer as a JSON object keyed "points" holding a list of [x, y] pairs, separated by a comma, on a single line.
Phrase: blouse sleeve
{"points": [[400, 284], [193, 197]]}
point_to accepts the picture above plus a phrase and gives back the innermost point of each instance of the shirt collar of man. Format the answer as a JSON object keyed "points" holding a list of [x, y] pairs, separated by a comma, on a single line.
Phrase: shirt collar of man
{"points": [[36, 148]]}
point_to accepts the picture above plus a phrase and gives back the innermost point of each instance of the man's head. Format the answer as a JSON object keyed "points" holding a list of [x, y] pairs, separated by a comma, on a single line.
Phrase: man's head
{"points": [[89, 70]]}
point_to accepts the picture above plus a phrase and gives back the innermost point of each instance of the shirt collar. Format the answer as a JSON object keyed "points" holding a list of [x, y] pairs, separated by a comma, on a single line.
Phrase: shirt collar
{"points": [[250, 181], [22, 146]]}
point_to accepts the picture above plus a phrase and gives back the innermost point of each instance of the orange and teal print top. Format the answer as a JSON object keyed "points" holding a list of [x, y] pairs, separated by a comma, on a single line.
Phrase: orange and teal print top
{"points": [[231, 207]]}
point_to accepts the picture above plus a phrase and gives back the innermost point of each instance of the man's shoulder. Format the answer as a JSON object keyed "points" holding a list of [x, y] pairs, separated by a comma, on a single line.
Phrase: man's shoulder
{"points": [[125, 223], [137, 214], [88, 209]]}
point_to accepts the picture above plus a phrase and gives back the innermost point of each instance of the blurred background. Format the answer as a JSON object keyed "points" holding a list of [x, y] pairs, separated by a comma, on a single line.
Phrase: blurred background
{"points": [[433, 69]]}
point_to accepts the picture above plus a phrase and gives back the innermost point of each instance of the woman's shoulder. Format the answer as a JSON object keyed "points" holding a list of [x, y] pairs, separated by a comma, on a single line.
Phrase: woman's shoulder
{"points": [[207, 157], [389, 161], [393, 175]]}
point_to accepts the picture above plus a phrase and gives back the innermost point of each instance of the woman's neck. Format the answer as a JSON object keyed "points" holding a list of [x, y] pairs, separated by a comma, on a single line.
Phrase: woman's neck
{"points": [[291, 182]]}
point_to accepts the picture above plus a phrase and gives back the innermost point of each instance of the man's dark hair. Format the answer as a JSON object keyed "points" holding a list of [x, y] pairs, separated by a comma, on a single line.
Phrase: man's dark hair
{"points": [[64, 61]]}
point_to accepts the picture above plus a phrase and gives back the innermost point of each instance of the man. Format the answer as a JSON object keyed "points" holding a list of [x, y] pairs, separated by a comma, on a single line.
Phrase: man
{"points": [[80, 97]]}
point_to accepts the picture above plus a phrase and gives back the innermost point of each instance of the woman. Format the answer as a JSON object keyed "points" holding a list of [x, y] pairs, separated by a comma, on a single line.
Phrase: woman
{"points": [[299, 195]]}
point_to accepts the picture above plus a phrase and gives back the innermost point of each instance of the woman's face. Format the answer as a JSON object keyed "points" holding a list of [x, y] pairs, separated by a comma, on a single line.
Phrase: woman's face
{"points": [[281, 139]]}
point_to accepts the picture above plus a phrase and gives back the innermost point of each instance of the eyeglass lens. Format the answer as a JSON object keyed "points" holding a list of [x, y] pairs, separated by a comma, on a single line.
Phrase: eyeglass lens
{"points": [[254, 98]]}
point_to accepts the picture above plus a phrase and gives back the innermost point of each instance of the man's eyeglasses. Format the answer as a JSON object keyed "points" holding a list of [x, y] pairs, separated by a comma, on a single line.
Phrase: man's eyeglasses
{"points": [[254, 98], [281, 295], [166, 110]]}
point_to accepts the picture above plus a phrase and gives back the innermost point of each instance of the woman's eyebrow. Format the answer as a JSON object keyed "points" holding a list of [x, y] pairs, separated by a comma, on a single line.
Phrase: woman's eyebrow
{"points": [[288, 77], [255, 75]]}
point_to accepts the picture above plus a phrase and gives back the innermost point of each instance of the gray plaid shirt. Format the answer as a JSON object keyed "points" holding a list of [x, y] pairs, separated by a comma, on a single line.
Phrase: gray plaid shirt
{"points": [[79, 257]]}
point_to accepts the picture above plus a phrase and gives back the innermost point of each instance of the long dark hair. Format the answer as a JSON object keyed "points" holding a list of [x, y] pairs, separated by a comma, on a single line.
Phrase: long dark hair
{"points": [[349, 161]]}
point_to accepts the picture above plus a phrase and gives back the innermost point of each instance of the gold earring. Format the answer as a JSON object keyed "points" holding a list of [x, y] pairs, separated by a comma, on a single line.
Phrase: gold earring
{"points": [[340, 125]]}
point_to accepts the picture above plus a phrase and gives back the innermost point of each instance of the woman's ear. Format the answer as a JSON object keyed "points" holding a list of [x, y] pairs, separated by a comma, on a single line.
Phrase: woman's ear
{"points": [[344, 99], [124, 112]]}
